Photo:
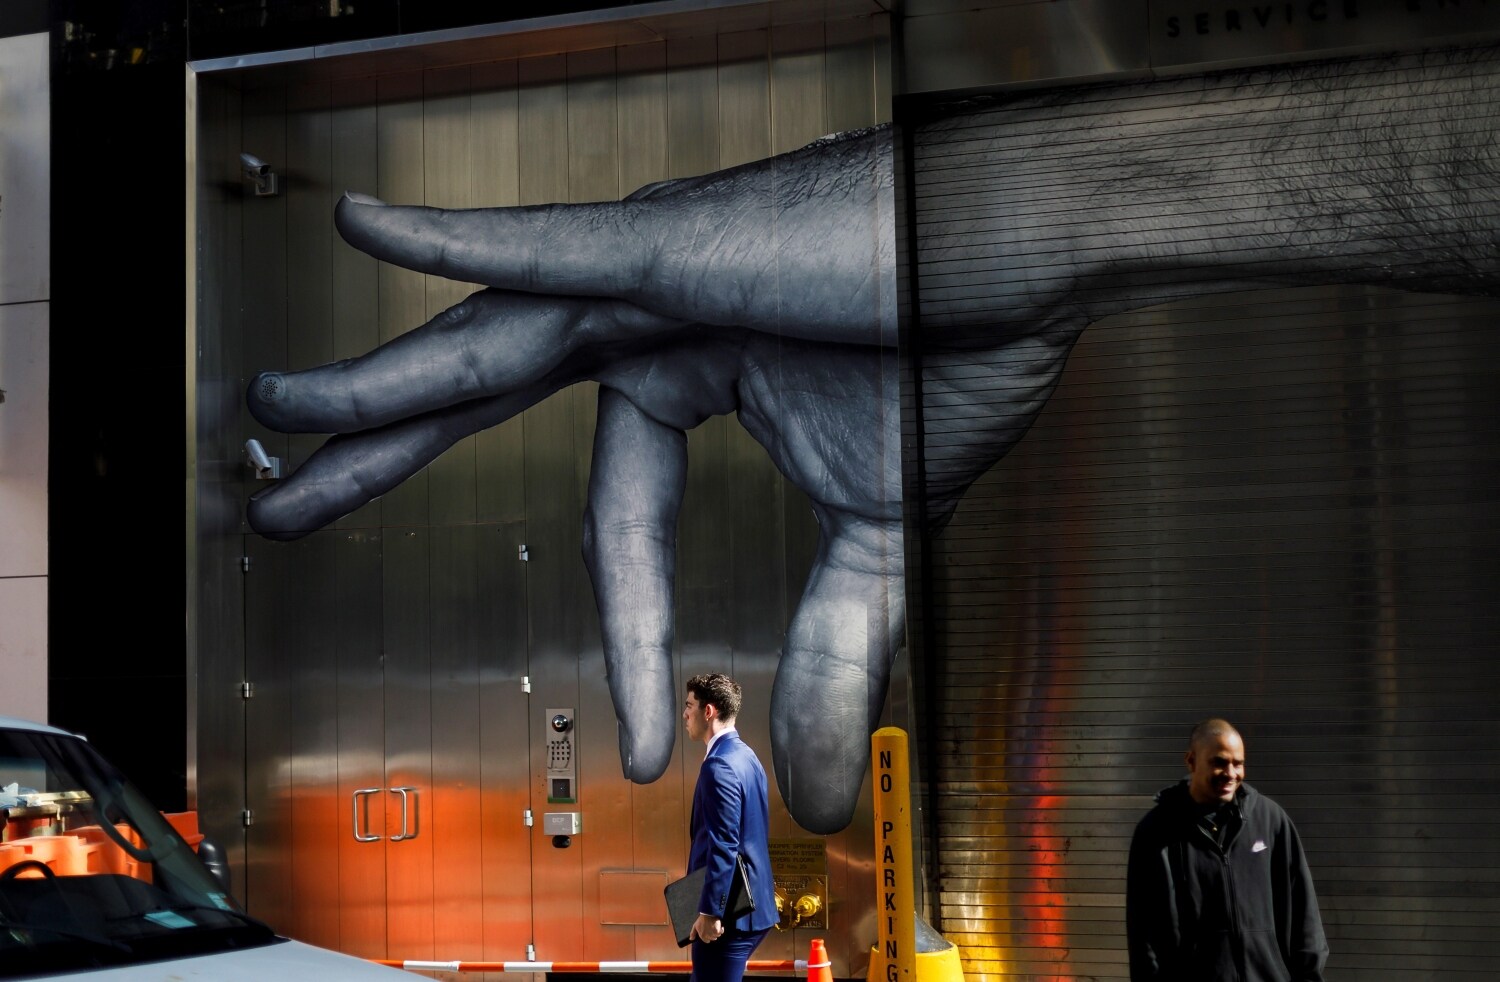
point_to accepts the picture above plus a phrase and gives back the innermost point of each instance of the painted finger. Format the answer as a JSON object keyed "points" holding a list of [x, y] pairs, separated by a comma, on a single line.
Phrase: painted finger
{"points": [[800, 244], [831, 683], [630, 547], [491, 343], [567, 250], [349, 471]]}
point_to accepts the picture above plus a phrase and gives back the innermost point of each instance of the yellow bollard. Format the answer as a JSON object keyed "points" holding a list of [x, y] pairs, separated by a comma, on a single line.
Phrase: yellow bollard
{"points": [[907, 949], [937, 958]]}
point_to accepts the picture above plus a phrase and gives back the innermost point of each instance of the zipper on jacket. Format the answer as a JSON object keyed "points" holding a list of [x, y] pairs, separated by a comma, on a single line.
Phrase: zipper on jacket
{"points": [[1231, 904], [1231, 899]]}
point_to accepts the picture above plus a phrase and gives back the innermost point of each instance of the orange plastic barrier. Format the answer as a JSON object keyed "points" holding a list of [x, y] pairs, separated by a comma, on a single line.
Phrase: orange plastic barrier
{"points": [[186, 824], [65, 855], [88, 850], [110, 858]]}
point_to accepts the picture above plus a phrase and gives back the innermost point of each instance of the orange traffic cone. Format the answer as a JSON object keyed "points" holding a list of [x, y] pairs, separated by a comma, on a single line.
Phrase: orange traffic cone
{"points": [[819, 968]]}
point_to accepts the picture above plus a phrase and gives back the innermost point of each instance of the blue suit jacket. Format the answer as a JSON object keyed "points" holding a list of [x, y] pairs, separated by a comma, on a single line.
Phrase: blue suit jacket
{"points": [[731, 817]]}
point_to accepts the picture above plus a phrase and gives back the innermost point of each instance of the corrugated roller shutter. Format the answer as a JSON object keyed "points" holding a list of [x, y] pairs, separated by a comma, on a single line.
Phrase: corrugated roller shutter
{"points": [[1274, 504]]}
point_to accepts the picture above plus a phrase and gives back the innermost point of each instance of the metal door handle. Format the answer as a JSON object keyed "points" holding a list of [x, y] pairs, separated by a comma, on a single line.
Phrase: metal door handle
{"points": [[408, 799], [367, 837]]}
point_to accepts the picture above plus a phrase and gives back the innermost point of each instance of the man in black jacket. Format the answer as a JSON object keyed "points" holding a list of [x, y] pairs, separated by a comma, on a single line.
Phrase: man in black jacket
{"points": [[1218, 888]]}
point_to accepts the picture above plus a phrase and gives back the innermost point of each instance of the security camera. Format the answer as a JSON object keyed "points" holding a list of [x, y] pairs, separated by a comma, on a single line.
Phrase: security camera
{"points": [[266, 467], [259, 173]]}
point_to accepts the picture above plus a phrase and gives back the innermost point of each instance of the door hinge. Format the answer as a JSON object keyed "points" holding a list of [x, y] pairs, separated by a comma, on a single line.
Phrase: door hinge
{"points": [[525, 683], [247, 690], [522, 553], [531, 952], [530, 821], [247, 818], [244, 564]]}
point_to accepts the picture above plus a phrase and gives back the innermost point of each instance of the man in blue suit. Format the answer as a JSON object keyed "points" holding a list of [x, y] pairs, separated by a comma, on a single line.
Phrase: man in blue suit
{"points": [[731, 820]]}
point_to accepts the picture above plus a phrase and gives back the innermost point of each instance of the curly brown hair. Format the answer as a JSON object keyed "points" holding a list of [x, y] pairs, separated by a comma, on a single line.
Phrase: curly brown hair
{"points": [[718, 690]]}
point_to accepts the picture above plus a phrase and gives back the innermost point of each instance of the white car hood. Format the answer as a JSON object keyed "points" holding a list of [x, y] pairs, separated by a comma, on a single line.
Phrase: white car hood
{"points": [[286, 961]]}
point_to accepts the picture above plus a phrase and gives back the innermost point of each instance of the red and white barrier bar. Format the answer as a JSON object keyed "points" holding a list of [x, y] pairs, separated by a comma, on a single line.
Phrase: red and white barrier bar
{"points": [[583, 968]]}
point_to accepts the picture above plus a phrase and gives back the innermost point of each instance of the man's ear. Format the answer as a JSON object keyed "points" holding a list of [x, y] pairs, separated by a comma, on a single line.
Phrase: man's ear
{"points": [[1188, 759], [710, 711]]}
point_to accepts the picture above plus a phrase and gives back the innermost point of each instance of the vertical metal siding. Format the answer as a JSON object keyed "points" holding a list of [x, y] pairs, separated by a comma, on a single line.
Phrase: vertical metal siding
{"points": [[1277, 505], [579, 126]]}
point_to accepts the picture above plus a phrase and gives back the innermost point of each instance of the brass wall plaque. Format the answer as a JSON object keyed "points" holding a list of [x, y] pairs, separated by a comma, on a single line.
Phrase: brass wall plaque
{"points": [[800, 869], [806, 857]]}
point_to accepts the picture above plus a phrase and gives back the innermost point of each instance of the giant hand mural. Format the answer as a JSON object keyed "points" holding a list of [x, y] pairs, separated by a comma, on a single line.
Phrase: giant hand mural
{"points": [[768, 290], [764, 290]]}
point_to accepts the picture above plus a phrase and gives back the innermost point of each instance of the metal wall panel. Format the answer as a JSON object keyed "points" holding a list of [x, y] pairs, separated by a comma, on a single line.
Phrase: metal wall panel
{"points": [[460, 556], [505, 734], [285, 637], [799, 97], [454, 618], [358, 745], [978, 44], [593, 175], [25, 170], [353, 276], [315, 735], [402, 295], [1275, 506], [261, 317], [309, 270], [702, 594], [311, 718], [495, 105], [367, 693], [26, 370], [408, 679], [753, 523], [655, 847], [216, 635], [554, 574], [447, 177], [957, 45]]}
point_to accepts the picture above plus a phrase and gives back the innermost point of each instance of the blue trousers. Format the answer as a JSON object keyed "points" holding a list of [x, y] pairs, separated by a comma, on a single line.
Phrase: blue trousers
{"points": [[724, 960]]}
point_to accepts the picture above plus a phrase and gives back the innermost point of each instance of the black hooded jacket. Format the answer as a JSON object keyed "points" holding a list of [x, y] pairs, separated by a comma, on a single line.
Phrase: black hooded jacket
{"points": [[1196, 912]]}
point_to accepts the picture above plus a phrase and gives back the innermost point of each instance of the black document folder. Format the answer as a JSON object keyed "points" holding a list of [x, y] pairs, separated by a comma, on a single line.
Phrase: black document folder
{"points": [[682, 900]]}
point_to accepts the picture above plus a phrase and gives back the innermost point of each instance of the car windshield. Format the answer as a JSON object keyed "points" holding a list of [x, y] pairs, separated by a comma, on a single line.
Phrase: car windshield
{"points": [[91, 875]]}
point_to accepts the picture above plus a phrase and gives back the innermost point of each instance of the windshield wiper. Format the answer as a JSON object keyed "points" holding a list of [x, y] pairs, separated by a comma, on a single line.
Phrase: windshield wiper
{"points": [[12, 927]]}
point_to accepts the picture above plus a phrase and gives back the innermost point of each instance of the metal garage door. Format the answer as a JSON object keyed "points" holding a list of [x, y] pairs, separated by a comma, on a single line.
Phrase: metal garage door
{"points": [[1275, 503]]}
